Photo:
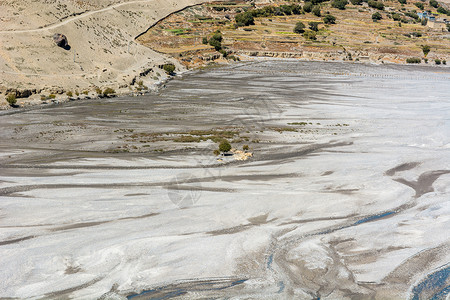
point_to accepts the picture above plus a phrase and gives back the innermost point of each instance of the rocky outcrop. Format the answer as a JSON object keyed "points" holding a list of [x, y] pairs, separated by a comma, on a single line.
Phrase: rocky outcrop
{"points": [[277, 54], [60, 40], [21, 93]]}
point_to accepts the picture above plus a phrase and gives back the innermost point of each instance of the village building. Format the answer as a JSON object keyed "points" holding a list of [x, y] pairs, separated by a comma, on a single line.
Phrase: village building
{"points": [[432, 22]]}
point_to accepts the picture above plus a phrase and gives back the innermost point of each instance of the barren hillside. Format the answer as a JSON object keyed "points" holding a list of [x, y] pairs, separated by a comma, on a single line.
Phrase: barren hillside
{"points": [[101, 37]]}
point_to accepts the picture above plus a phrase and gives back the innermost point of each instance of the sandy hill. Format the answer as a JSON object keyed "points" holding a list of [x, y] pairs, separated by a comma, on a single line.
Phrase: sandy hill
{"points": [[101, 35]]}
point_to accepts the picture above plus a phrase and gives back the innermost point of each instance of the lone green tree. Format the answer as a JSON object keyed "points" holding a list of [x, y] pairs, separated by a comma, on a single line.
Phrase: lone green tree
{"points": [[434, 3], [376, 17], [216, 40], [329, 19], [310, 35], [316, 11], [244, 19], [224, 146], [308, 6], [376, 4], [426, 49], [339, 4], [314, 26], [169, 68], [299, 27], [11, 98], [419, 5]]}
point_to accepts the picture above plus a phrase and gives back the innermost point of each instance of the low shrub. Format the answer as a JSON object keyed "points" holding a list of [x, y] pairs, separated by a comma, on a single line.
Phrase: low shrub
{"points": [[224, 53], [11, 99], [376, 4], [413, 60], [444, 11], [314, 26], [316, 11], [217, 36], [309, 35], [339, 4], [286, 10], [232, 57], [396, 17], [308, 7], [412, 15], [419, 5], [376, 17], [216, 41], [244, 19], [434, 3], [108, 91]]}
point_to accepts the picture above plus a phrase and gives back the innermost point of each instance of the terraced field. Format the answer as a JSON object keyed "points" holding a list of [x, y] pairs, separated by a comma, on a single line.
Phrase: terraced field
{"points": [[354, 36]]}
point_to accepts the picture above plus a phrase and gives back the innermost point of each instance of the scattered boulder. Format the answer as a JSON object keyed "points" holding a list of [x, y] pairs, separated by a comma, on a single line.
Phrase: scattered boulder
{"points": [[24, 93], [61, 41], [241, 155]]}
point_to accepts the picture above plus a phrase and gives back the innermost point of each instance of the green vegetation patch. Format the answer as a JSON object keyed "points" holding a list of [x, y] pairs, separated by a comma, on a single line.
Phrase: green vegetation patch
{"points": [[413, 60], [282, 129], [179, 31], [300, 123]]}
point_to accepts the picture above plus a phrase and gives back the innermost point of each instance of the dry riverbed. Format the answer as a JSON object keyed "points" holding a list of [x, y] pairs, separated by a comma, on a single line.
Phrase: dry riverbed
{"points": [[346, 195]]}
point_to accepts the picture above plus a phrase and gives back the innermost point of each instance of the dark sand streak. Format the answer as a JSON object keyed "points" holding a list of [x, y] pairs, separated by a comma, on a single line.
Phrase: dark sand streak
{"points": [[424, 184], [73, 226]]}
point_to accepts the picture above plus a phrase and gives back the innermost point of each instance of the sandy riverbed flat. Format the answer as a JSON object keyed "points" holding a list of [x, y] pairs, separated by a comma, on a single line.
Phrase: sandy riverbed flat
{"points": [[346, 197]]}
